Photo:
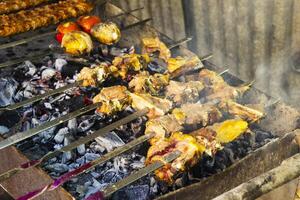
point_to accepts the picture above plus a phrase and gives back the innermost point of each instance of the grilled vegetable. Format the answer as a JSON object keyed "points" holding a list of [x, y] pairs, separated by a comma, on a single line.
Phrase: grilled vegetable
{"points": [[107, 33], [77, 43], [65, 28], [87, 22]]}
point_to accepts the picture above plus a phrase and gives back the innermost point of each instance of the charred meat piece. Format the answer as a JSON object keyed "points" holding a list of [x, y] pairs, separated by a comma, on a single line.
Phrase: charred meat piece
{"points": [[129, 62], [153, 44], [146, 83], [181, 65], [197, 114], [113, 99], [241, 111], [184, 92], [8, 6], [26, 20], [217, 88], [158, 106], [190, 154], [188, 114]]}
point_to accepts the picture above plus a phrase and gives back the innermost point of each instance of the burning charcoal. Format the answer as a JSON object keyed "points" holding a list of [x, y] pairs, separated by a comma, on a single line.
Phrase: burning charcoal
{"points": [[3, 130], [9, 118], [86, 124], [80, 160], [110, 141], [137, 192], [60, 135], [59, 63], [91, 156], [121, 164], [8, 88], [57, 167], [104, 49], [136, 126], [25, 70], [181, 181], [117, 52], [48, 73], [261, 136], [81, 149], [72, 125], [66, 155], [95, 174], [81, 190], [97, 148], [96, 186], [157, 66], [111, 176]]}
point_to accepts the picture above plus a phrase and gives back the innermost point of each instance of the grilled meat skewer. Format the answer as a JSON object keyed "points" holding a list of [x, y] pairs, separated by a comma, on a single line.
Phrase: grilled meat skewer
{"points": [[26, 20], [8, 6], [192, 146]]}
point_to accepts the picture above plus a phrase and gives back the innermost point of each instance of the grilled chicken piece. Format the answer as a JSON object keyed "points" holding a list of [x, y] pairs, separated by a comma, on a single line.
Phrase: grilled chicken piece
{"points": [[146, 83], [188, 114], [184, 92], [93, 76], [152, 45], [113, 99], [128, 62], [192, 146], [26, 20], [197, 114], [162, 127], [241, 111], [181, 65], [8, 6], [157, 106], [217, 88], [190, 153]]}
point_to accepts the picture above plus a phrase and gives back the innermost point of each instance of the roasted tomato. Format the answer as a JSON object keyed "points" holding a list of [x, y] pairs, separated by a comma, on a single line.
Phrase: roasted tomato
{"points": [[87, 22], [106, 33], [77, 43], [65, 28]]}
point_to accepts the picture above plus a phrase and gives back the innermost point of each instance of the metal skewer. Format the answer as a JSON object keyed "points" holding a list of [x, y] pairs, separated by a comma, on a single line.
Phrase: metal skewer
{"points": [[62, 89], [31, 132], [39, 97], [51, 33], [20, 60], [134, 177], [86, 167], [84, 140]]}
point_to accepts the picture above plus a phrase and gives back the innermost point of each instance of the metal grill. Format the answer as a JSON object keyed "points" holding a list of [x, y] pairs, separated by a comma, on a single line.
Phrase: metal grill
{"points": [[134, 30]]}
